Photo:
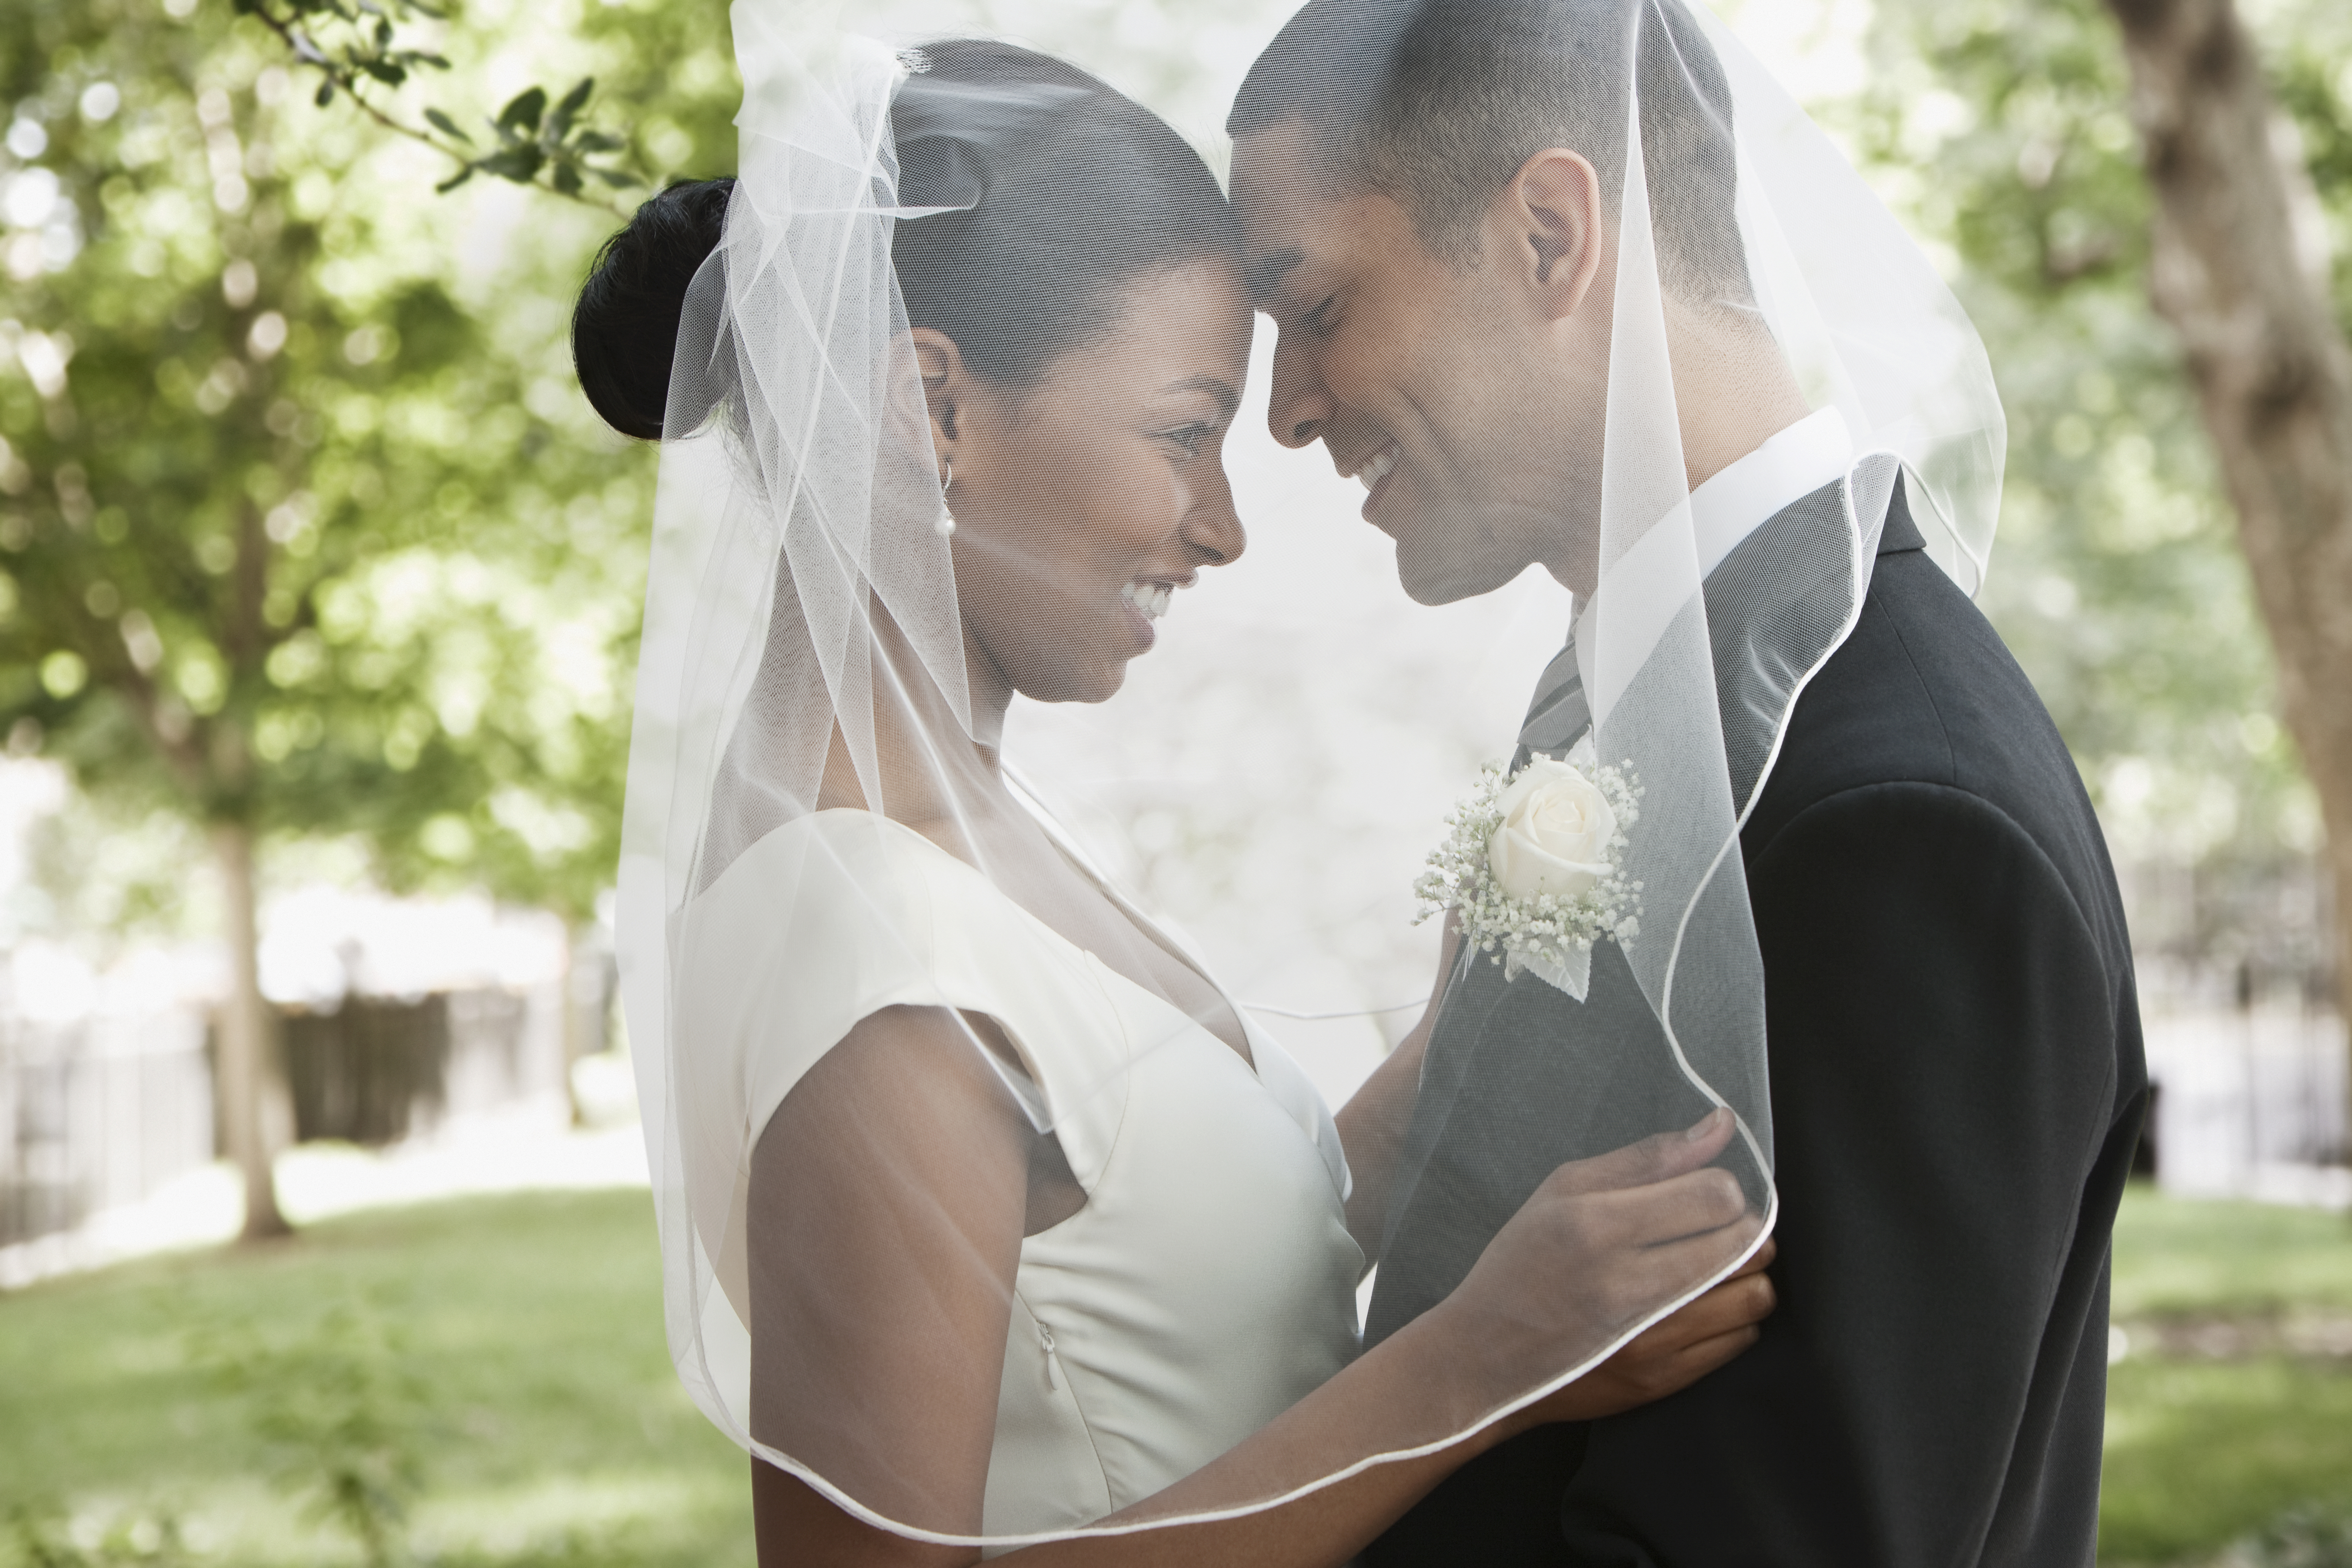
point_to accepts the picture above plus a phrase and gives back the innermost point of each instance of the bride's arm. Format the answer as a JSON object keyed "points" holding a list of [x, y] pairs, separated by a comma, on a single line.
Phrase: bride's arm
{"points": [[797, 1528], [883, 1229], [1373, 1122], [886, 1208]]}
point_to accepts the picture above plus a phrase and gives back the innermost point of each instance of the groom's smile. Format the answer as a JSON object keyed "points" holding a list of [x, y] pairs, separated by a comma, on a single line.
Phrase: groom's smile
{"points": [[1420, 373], [1374, 471]]}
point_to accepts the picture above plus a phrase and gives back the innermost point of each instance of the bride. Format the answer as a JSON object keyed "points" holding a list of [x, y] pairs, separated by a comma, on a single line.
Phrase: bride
{"points": [[991, 1225]]}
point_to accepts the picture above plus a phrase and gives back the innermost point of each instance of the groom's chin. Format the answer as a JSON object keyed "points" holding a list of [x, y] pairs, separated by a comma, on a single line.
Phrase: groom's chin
{"points": [[1445, 580]]}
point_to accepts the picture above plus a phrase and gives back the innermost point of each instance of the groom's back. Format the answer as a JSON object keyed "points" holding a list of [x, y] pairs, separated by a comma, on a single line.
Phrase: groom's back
{"points": [[1957, 1085]]}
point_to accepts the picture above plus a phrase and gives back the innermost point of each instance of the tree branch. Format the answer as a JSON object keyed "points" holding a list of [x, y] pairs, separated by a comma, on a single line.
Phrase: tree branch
{"points": [[566, 157]]}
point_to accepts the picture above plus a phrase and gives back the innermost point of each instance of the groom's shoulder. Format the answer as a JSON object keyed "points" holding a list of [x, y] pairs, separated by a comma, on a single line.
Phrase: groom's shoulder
{"points": [[1925, 691]]}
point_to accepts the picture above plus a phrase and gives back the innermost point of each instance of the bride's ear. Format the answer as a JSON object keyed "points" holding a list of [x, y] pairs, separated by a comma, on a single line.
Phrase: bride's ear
{"points": [[945, 382]]}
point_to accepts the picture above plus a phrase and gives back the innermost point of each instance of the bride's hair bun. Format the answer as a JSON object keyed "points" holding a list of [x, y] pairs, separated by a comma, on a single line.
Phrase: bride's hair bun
{"points": [[1062, 190], [624, 326]]}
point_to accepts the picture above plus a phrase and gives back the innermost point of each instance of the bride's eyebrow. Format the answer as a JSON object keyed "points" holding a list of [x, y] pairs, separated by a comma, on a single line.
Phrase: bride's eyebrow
{"points": [[1228, 397]]}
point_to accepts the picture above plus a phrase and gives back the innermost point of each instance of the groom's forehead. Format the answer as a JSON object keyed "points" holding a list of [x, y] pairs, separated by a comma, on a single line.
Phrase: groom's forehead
{"points": [[1291, 212], [1277, 203], [1275, 168]]}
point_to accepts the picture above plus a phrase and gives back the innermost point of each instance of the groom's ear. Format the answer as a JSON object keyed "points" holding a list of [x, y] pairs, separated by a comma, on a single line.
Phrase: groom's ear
{"points": [[944, 381], [1550, 211]]}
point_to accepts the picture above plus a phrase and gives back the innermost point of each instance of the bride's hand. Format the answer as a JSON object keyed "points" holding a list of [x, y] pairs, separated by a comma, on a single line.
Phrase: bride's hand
{"points": [[1599, 1243], [1673, 1352]]}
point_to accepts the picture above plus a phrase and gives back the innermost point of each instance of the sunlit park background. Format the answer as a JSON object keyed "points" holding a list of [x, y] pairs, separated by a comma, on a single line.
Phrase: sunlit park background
{"points": [[318, 591]]}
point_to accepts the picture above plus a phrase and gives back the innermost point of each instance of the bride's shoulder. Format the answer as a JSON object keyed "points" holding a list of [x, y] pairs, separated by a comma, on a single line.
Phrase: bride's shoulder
{"points": [[834, 917], [826, 854], [843, 897]]}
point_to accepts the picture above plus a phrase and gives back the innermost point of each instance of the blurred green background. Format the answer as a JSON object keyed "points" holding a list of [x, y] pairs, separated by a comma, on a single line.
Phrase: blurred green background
{"points": [[305, 531], [494, 1368]]}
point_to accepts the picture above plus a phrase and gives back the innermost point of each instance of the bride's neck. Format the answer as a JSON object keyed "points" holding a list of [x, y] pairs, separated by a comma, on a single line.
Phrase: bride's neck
{"points": [[990, 692], [924, 764]]}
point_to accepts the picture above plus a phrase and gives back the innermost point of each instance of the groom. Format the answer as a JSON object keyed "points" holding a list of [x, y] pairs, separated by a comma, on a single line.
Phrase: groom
{"points": [[1956, 1074]]}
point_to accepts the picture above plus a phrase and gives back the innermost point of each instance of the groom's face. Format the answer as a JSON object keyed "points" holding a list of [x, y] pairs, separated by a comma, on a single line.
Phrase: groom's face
{"points": [[1425, 377]]}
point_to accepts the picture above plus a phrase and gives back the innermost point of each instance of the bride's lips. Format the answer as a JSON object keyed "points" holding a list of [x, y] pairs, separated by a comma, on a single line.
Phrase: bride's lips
{"points": [[1374, 473], [1143, 601]]}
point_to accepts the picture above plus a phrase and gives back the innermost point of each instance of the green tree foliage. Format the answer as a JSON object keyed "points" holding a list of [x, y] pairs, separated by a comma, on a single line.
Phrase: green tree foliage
{"points": [[304, 529], [294, 536], [2002, 133]]}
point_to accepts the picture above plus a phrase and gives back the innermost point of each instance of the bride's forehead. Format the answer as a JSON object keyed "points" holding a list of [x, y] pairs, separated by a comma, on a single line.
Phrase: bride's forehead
{"points": [[1195, 314]]}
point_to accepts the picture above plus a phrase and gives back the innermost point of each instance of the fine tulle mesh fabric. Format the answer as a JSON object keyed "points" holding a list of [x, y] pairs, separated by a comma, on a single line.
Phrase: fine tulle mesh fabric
{"points": [[986, 1212]]}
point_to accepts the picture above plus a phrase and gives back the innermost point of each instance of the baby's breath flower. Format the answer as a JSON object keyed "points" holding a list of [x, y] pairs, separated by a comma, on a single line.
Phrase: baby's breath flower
{"points": [[1547, 929]]}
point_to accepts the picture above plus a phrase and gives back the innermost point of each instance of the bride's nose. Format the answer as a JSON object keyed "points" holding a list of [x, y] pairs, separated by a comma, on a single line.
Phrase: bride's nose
{"points": [[1213, 526]]}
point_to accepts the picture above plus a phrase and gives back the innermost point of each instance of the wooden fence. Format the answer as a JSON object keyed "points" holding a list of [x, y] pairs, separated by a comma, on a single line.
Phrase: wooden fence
{"points": [[101, 1112]]}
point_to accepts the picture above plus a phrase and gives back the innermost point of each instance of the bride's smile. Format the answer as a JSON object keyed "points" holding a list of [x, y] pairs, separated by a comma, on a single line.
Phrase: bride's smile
{"points": [[1084, 500]]}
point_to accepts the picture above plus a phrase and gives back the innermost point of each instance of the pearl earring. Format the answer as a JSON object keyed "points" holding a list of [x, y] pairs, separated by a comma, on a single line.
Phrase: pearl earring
{"points": [[946, 525]]}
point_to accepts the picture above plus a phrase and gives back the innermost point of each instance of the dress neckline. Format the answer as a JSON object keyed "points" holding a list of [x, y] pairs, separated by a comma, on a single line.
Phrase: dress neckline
{"points": [[1149, 928]]}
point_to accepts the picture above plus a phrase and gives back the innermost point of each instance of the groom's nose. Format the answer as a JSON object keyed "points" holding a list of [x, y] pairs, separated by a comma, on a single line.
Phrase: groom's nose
{"points": [[1300, 406]]}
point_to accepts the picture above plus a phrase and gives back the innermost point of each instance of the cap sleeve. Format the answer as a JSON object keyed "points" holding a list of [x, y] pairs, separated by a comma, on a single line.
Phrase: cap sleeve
{"points": [[823, 923]]}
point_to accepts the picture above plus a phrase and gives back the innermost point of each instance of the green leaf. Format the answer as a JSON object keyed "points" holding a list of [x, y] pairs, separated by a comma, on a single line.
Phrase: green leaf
{"points": [[454, 181], [521, 164], [384, 71], [445, 126], [615, 178], [573, 102], [383, 32], [326, 93], [567, 179], [523, 111], [596, 141]]}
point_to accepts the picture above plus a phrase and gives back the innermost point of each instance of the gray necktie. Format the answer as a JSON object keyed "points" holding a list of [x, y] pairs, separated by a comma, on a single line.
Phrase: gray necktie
{"points": [[1560, 715]]}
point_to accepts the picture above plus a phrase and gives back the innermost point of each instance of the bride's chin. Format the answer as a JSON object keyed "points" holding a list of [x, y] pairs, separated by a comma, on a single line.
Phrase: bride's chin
{"points": [[1094, 680], [1104, 682]]}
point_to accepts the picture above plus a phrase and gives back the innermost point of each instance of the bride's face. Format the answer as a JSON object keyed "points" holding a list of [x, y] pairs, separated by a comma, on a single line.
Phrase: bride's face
{"points": [[1085, 503]]}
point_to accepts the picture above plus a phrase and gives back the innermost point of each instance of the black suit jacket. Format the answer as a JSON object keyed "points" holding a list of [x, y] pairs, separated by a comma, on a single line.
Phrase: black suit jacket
{"points": [[1957, 1085]]}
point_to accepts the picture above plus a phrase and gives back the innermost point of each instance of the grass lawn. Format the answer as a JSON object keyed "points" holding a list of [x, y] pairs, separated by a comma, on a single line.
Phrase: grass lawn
{"points": [[552, 1430], [2177, 1256], [2202, 1451]]}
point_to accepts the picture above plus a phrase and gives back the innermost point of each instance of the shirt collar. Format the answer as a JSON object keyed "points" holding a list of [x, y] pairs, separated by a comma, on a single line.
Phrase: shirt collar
{"points": [[1743, 496]]}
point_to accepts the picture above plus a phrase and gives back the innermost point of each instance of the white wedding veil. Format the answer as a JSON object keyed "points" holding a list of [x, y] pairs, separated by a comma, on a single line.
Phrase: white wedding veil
{"points": [[1771, 372], [863, 968]]}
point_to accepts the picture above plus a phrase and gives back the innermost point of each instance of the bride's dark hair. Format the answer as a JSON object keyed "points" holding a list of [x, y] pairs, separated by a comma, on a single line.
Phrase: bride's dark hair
{"points": [[1072, 190]]}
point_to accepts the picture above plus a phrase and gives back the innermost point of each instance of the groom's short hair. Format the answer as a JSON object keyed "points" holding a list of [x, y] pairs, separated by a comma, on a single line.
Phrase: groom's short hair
{"points": [[1437, 103]]}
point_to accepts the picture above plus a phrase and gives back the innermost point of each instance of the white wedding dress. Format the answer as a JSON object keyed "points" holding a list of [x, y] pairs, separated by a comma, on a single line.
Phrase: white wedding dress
{"points": [[1207, 1284]]}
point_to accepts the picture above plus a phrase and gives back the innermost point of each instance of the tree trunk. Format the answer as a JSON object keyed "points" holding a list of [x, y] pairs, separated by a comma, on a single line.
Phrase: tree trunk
{"points": [[247, 1077], [574, 1026], [2239, 268]]}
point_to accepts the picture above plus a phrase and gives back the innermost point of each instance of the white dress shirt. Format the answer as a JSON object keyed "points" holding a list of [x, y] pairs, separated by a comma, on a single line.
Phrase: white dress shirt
{"points": [[1644, 582], [1743, 496]]}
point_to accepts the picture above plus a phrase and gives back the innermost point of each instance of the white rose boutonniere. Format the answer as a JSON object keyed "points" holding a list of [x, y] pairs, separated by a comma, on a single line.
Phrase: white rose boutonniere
{"points": [[1555, 834], [1534, 866]]}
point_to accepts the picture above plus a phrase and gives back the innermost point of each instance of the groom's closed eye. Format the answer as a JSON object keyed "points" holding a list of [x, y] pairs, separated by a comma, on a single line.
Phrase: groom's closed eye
{"points": [[1318, 321]]}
